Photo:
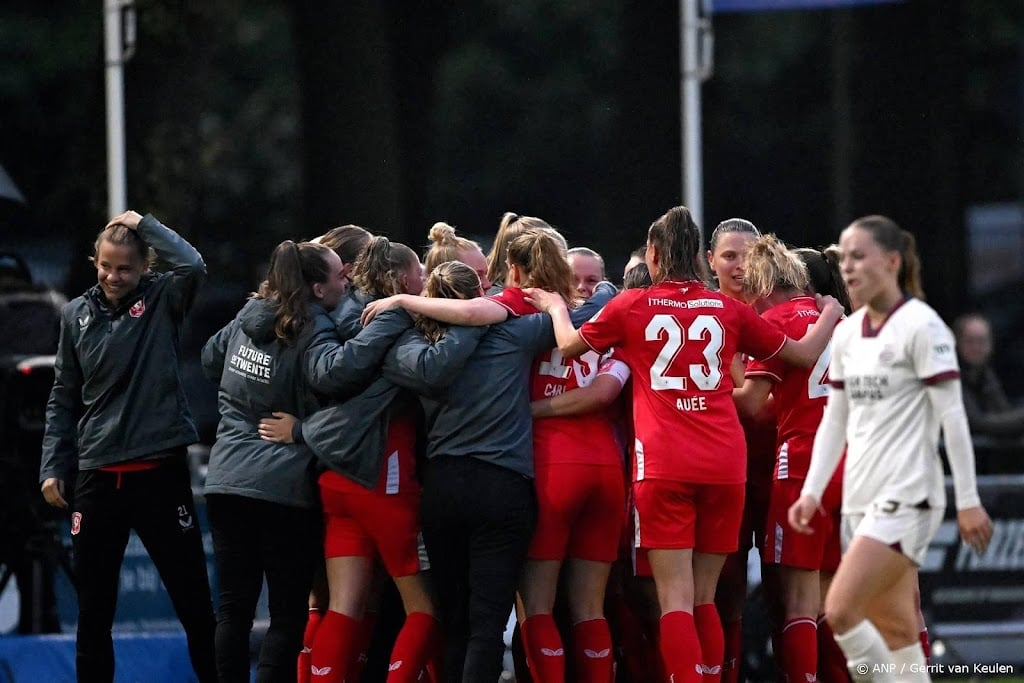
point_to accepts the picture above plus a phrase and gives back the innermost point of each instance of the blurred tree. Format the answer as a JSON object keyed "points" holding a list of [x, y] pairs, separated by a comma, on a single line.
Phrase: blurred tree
{"points": [[524, 117], [249, 122], [213, 128], [51, 118], [366, 72]]}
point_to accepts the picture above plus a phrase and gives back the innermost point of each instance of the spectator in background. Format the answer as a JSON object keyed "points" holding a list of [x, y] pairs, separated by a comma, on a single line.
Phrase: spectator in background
{"points": [[989, 412]]}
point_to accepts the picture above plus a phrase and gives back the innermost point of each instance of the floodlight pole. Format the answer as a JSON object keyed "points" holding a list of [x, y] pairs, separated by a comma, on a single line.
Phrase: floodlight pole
{"points": [[119, 44], [695, 66]]}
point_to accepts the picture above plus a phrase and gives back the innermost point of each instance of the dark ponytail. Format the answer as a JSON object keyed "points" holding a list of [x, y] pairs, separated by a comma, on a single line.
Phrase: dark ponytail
{"points": [[294, 269], [677, 239], [824, 274]]}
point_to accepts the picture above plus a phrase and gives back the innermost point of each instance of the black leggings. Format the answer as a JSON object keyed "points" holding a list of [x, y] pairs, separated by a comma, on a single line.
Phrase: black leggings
{"points": [[477, 519], [158, 505], [252, 539]]}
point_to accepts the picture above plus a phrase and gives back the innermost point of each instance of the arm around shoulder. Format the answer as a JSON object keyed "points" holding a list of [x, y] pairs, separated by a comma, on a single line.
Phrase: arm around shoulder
{"points": [[418, 365]]}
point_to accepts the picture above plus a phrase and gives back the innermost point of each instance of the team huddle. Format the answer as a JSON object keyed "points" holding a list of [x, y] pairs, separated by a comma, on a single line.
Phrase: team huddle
{"points": [[511, 431]]}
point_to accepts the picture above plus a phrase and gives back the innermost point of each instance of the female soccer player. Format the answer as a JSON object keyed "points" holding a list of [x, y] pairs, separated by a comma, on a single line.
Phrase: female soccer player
{"points": [[677, 338], [587, 269], [512, 225], [117, 416], [782, 284], [370, 494], [261, 496], [894, 380], [447, 246], [727, 256]]}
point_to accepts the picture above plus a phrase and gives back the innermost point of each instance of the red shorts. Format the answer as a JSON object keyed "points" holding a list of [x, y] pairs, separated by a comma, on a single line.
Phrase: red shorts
{"points": [[579, 512], [789, 548], [667, 515], [363, 523]]}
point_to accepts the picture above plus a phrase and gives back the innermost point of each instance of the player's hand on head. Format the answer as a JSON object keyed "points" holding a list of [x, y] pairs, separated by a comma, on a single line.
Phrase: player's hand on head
{"points": [[129, 219], [975, 527]]}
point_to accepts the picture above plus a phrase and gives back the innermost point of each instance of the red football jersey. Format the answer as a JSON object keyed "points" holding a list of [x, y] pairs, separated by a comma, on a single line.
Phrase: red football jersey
{"points": [[587, 439], [583, 439], [513, 299], [678, 339], [800, 393]]}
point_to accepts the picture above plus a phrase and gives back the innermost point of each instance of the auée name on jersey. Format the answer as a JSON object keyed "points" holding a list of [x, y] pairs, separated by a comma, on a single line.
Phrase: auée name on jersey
{"points": [[692, 403]]}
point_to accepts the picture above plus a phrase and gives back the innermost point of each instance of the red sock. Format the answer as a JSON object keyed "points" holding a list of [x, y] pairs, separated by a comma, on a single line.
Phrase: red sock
{"points": [[335, 647], [732, 633], [680, 648], [411, 651], [544, 649], [799, 652], [926, 646], [592, 651], [712, 640], [312, 624], [366, 628], [831, 660]]}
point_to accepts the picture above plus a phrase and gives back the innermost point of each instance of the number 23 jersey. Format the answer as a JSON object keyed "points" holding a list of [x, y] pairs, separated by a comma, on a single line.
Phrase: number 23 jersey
{"points": [[678, 339]]}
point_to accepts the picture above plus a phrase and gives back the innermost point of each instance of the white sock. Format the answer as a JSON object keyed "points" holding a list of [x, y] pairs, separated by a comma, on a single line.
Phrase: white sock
{"points": [[867, 657], [910, 664]]}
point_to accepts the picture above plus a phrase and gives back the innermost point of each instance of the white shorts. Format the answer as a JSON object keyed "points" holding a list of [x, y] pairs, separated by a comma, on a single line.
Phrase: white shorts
{"points": [[904, 528]]}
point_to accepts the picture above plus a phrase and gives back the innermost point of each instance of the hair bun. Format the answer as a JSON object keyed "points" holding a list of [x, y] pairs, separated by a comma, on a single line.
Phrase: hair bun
{"points": [[441, 232]]}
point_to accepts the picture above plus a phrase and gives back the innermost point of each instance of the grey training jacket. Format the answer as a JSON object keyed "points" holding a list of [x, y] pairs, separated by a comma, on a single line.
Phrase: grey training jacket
{"points": [[257, 374], [117, 394], [479, 405]]}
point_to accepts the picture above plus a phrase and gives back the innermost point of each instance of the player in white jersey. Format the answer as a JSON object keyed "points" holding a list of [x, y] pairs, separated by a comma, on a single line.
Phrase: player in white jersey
{"points": [[895, 383]]}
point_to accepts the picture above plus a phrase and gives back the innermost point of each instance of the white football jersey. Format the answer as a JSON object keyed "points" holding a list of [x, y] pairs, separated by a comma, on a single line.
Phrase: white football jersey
{"points": [[892, 433]]}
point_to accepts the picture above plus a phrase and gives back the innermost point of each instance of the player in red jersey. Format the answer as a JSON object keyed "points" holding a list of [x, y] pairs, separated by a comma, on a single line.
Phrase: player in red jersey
{"points": [[727, 258], [677, 337], [782, 286], [578, 470]]}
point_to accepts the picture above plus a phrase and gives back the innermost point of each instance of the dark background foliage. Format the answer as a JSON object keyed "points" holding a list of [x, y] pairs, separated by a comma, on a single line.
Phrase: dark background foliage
{"points": [[251, 122]]}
